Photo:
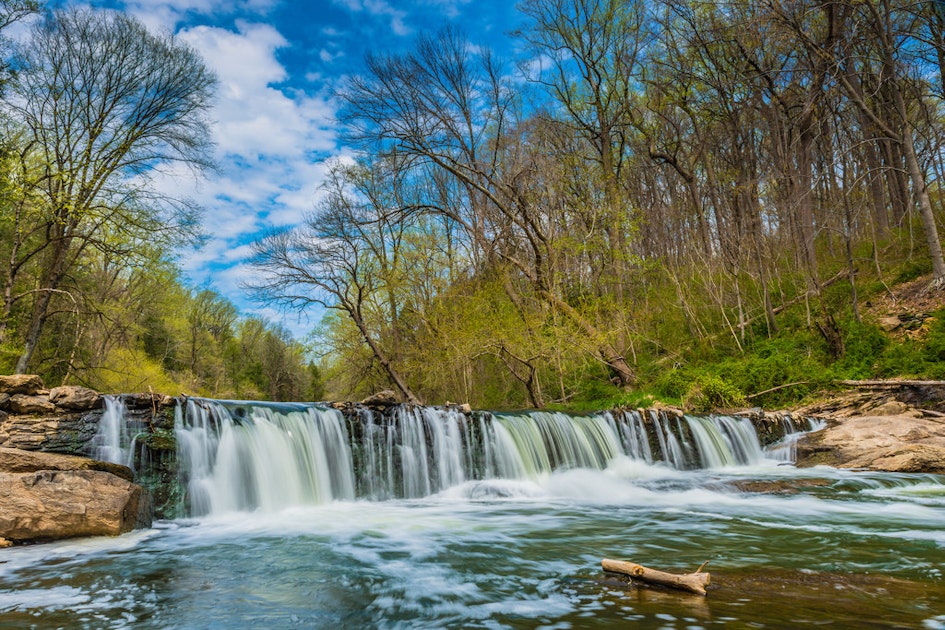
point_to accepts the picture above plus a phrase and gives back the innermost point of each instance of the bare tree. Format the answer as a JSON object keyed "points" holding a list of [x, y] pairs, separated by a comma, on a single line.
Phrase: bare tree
{"points": [[870, 63], [104, 105], [448, 105], [342, 258]]}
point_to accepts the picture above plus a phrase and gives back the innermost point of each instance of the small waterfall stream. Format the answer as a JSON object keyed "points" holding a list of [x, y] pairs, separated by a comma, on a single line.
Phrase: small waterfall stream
{"points": [[238, 456], [114, 442]]}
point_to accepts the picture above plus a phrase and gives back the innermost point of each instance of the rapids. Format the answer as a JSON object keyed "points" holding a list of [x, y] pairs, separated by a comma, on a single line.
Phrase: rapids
{"points": [[300, 517]]}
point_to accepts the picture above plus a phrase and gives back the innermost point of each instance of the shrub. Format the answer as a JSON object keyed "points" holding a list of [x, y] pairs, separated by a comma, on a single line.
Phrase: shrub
{"points": [[713, 392], [673, 384]]}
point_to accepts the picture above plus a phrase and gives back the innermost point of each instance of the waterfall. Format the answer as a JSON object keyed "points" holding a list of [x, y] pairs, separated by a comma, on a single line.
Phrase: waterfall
{"points": [[114, 442], [248, 456], [237, 456], [786, 449]]}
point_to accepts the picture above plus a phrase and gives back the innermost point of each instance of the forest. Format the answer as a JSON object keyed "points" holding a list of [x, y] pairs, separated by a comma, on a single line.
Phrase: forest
{"points": [[686, 201], [93, 108]]}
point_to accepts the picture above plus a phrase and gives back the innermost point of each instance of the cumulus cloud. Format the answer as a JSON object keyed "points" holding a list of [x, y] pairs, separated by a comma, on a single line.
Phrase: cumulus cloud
{"points": [[270, 139]]}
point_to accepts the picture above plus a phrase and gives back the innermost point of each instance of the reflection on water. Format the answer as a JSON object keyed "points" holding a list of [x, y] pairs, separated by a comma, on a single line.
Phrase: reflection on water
{"points": [[822, 546]]}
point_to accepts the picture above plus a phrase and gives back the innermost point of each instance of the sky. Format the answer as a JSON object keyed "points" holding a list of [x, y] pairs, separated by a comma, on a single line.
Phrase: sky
{"points": [[279, 62]]}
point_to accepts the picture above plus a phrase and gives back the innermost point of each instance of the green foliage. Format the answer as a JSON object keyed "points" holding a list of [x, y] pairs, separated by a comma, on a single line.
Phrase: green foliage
{"points": [[912, 268], [864, 344], [673, 384], [713, 392], [922, 357]]}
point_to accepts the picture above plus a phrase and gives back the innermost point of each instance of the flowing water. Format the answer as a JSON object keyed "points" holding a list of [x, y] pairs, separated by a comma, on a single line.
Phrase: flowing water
{"points": [[302, 518]]}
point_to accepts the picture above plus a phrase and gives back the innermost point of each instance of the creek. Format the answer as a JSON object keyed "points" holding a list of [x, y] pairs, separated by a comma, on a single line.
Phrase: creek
{"points": [[300, 516]]}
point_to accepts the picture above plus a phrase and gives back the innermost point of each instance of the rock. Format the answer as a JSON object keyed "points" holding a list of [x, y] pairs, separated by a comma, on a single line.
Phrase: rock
{"points": [[4, 398], [147, 401], [901, 443], [23, 403], [890, 408], [4, 543], [385, 398], [14, 460], [29, 384], [889, 324], [912, 458], [54, 504], [780, 486], [75, 398], [59, 433]]}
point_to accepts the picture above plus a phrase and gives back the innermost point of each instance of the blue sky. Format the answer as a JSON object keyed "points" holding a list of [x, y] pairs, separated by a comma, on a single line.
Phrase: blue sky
{"points": [[278, 62]]}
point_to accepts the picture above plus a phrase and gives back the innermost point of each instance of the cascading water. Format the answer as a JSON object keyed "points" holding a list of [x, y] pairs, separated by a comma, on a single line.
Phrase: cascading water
{"points": [[238, 456], [114, 442], [423, 517], [244, 457]]}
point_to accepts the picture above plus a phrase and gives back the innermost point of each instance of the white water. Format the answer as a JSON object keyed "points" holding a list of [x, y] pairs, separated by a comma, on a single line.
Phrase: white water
{"points": [[514, 514], [263, 460], [251, 456], [113, 442]]}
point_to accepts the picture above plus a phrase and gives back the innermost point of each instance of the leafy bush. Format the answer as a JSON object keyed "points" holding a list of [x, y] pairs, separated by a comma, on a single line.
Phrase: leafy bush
{"points": [[673, 384], [713, 392], [864, 344]]}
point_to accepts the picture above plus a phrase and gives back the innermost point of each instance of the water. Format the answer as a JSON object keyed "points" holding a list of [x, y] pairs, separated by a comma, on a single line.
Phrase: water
{"points": [[500, 536], [113, 442]]}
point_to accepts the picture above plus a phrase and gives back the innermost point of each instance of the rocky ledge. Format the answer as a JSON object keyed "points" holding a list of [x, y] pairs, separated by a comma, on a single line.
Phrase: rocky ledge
{"points": [[47, 496], [875, 430]]}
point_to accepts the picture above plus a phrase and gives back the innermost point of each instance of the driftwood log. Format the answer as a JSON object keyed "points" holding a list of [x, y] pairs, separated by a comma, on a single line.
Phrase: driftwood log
{"points": [[692, 582]]}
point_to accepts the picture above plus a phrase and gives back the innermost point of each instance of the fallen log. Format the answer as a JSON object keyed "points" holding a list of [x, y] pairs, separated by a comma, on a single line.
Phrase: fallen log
{"points": [[890, 383], [692, 582]]}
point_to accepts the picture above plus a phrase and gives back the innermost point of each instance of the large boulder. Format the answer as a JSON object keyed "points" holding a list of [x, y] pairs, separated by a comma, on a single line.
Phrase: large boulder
{"points": [[892, 443], [54, 504], [75, 398], [21, 384]]}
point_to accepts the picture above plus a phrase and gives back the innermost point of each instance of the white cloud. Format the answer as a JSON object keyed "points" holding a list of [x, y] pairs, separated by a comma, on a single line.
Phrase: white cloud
{"points": [[379, 8], [328, 56], [167, 14], [450, 8], [266, 135]]}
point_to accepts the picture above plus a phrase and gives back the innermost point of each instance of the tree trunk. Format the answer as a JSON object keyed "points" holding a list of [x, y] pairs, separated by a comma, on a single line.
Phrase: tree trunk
{"points": [[922, 197], [622, 372], [381, 357], [50, 285]]}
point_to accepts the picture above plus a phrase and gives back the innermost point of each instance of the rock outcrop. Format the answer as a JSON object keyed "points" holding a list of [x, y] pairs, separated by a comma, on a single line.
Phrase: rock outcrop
{"points": [[20, 384], [893, 438], [75, 398], [48, 497], [14, 460]]}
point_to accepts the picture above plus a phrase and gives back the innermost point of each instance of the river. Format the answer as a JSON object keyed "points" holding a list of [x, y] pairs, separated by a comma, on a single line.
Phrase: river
{"points": [[786, 546]]}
